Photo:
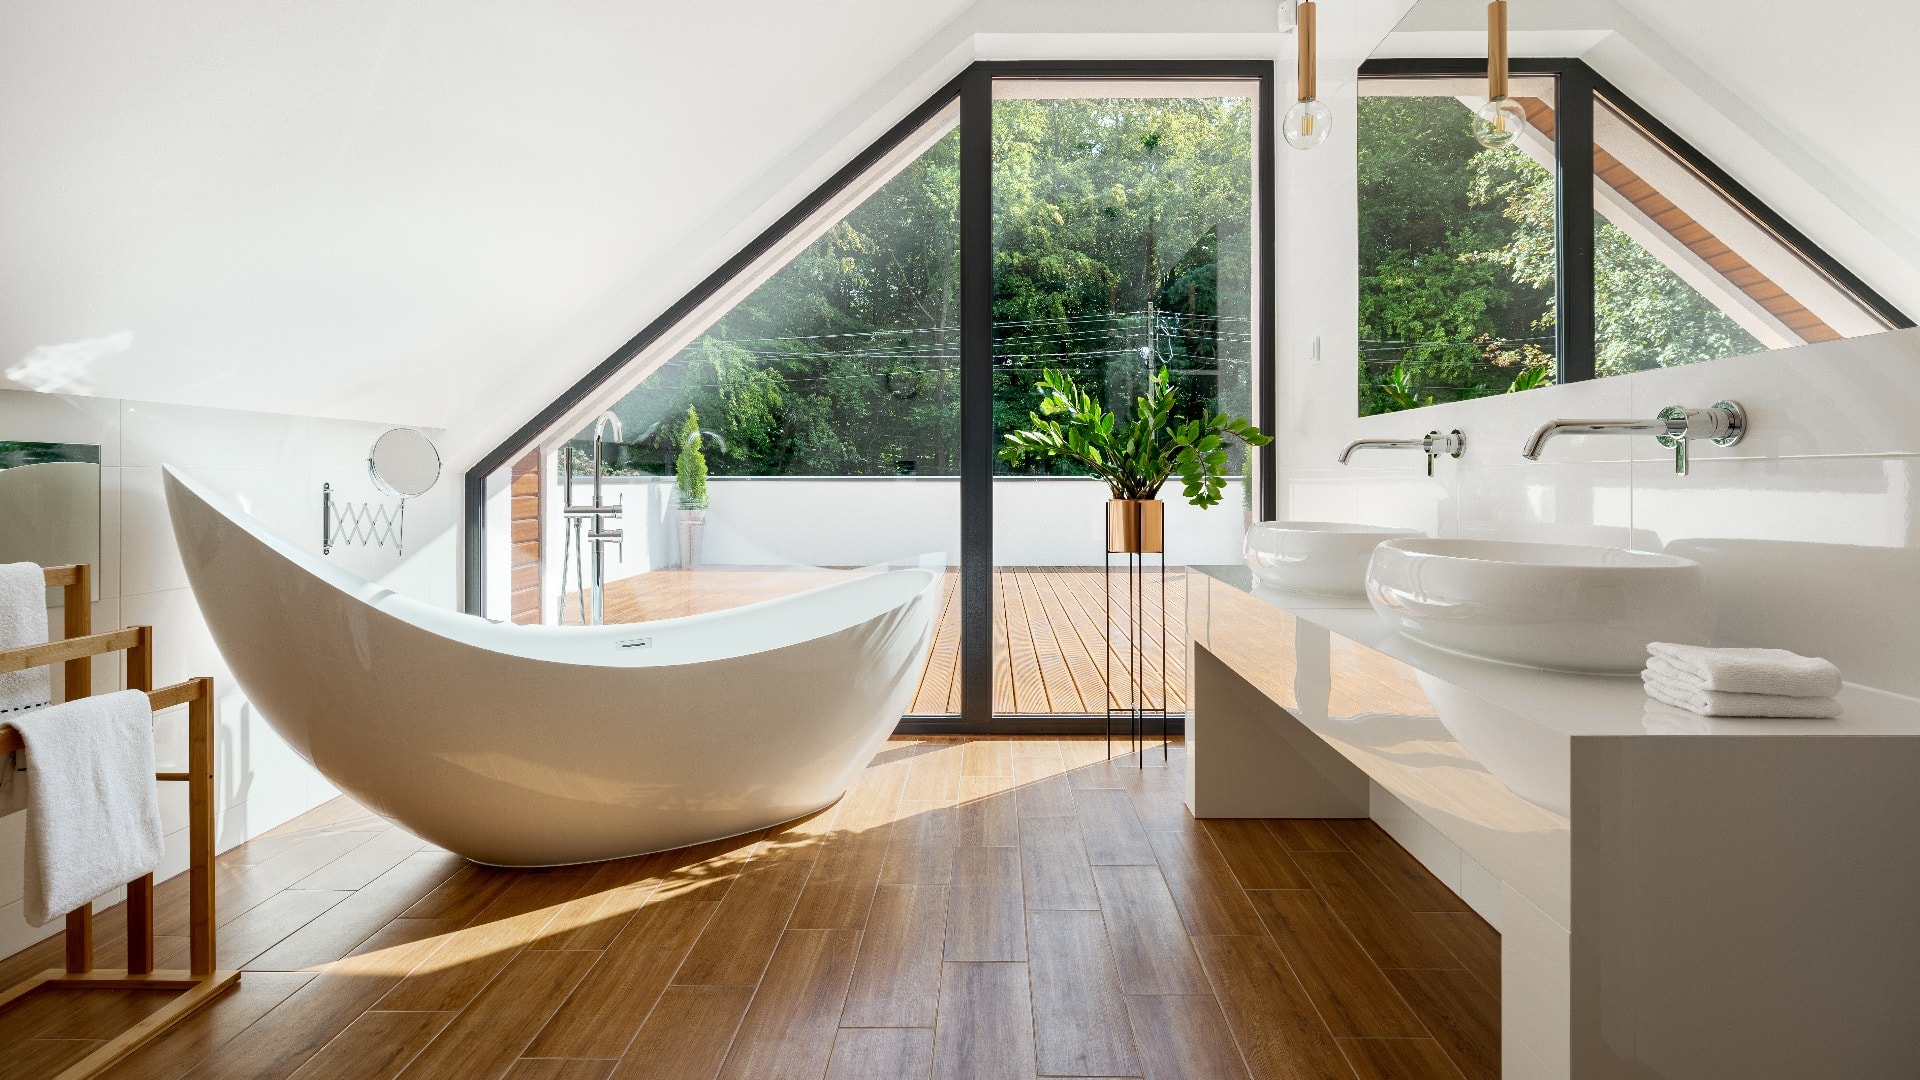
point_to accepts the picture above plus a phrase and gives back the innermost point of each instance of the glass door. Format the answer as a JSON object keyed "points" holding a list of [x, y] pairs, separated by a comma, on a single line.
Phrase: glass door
{"points": [[1124, 229]]}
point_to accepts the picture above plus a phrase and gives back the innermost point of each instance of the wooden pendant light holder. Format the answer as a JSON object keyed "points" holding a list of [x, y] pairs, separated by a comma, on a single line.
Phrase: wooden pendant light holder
{"points": [[201, 982], [1307, 35], [1496, 50]]}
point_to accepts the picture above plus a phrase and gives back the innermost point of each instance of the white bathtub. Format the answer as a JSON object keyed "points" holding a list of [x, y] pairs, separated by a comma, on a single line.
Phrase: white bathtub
{"points": [[537, 746]]}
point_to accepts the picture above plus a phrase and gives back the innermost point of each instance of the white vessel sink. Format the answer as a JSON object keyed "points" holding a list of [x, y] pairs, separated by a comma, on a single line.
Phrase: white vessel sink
{"points": [[1554, 606], [1322, 557]]}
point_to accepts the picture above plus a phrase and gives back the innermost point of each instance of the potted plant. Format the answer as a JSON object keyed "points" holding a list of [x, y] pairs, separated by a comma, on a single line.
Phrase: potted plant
{"points": [[690, 490], [1134, 456]]}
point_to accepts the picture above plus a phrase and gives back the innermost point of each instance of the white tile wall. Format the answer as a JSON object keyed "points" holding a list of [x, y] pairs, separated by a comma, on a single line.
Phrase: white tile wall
{"points": [[1809, 530], [273, 465]]}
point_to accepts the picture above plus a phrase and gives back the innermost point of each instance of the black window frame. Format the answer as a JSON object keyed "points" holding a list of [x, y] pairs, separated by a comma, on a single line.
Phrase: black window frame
{"points": [[1578, 87], [973, 90]]}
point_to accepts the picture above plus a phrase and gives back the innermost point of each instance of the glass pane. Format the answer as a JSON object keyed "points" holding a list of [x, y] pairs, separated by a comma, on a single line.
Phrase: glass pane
{"points": [[825, 395], [1456, 244], [1123, 246], [1682, 274]]}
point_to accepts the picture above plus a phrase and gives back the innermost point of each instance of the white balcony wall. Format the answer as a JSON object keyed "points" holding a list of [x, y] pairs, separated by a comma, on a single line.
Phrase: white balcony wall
{"points": [[861, 521]]}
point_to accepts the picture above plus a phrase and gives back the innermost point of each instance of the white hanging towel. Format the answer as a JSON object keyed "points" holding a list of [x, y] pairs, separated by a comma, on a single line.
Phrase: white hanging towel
{"points": [[23, 622], [93, 807]]}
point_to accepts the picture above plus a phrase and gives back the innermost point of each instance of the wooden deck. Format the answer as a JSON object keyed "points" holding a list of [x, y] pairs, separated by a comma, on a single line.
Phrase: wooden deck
{"points": [[1049, 646], [987, 908]]}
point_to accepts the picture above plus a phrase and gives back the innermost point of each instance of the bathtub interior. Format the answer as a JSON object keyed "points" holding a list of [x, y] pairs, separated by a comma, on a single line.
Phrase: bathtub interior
{"points": [[740, 631]]}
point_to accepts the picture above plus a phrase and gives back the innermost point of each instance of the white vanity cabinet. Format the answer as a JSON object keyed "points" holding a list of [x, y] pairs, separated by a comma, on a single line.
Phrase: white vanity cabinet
{"points": [[1679, 897]]}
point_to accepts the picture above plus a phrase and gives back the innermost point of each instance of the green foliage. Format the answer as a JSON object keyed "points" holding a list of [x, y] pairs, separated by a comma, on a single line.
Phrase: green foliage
{"points": [[1646, 317], [1400, 389], [690, 470], [1439, 320], [1119, 224], [1136, 457], [1531, 378], [1457, 267]]}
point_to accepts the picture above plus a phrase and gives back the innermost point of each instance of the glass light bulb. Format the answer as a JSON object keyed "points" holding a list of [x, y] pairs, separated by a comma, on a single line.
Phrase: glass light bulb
{"points": [[1307, 124], [1499, 122]]}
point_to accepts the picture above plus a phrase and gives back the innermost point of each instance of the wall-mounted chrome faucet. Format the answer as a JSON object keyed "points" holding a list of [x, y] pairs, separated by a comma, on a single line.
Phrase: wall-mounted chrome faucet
{"points": [[1435, 444], [1725, 423]]}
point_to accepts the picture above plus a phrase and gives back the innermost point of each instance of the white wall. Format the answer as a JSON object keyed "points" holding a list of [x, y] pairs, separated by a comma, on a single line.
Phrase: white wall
{"points": [[1810, 530], [824, 521], [271, 464]]}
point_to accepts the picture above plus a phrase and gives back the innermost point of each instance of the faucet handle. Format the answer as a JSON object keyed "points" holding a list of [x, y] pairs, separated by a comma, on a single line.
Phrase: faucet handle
{"points": [[1725, 423], [1435, 444]]}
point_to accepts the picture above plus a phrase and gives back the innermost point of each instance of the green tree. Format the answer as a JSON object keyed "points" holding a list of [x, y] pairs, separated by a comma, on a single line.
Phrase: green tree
{"points": [[690, 471], [1121, 225], [1439, 319]]}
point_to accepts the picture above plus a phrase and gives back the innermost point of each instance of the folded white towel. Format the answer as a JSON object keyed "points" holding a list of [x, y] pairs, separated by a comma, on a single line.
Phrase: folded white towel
{"points": [[1745, 671], [1659, 718], [1722, 703], [93, 808], [23, 622]]}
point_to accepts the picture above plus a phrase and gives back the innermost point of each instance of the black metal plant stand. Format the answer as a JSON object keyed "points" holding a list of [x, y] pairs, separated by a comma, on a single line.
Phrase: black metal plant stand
{"points": [[1144, 571]]}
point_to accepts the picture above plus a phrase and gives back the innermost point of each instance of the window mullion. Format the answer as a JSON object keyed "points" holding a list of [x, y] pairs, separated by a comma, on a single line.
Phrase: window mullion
{"points": [[1573, 226]]}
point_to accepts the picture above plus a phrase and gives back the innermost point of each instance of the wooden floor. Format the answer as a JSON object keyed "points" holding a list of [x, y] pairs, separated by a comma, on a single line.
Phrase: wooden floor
{"points": [[1049, 648], [996, 909]]}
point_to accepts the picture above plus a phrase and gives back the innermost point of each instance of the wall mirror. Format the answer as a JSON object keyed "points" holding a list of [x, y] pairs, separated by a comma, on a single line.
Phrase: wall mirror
{"points": [[50, 505], [403, 463], [1595, 243]]}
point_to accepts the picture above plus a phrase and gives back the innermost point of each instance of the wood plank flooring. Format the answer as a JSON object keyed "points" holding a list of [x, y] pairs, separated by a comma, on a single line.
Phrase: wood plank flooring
{"points": [[1049, 651], [975, 908]]}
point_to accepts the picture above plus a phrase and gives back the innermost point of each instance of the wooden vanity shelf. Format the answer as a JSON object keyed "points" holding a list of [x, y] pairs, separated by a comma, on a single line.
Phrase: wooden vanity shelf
{"points": [[202, 982]]}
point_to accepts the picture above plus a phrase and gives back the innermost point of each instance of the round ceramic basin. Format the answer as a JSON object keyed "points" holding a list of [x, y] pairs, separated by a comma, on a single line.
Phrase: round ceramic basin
{"points": [[1559, 607], [1322, 557]]}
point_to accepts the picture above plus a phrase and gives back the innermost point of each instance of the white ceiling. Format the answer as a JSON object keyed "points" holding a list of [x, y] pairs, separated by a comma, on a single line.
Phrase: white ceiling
{"points": [[1839, 78], [369, 208], [442, 212]]}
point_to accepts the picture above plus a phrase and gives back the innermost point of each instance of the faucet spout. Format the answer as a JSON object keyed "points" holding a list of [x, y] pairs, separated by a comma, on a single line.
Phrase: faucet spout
{"points": [[1435, 444], [598, 534], [1538, 440], [601, 425], [1380, 444], [1724, 424]]}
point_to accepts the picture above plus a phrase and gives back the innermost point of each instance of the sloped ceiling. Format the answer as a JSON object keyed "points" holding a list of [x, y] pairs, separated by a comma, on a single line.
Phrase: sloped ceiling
{"points": [[410, 210], [364, 208], [1838, 78]]}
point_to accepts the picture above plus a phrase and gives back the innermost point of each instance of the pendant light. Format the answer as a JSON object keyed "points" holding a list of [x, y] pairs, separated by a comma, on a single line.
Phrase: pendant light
{"points": [[1308, 122], [1499, 121]]}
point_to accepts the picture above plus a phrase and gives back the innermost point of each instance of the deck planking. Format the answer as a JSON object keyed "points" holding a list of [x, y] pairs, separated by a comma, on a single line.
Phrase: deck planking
{"points": [[1050, 654]]}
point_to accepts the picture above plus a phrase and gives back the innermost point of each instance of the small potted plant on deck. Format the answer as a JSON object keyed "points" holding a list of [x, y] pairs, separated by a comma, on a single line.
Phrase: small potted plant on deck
{"points": [[690, 490], [1134, 456]]}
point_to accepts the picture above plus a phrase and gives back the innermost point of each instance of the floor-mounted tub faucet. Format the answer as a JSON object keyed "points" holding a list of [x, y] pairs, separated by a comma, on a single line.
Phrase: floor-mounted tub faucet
{"points": [[601, 512], [1435, 444], [1725, 423]]}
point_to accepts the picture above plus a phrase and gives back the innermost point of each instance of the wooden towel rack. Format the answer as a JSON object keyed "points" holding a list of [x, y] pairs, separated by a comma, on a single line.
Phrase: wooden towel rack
{"points": [[202, 982]]}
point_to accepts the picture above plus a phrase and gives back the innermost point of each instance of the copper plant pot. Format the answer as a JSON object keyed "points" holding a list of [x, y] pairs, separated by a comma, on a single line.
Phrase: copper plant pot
{"points": [[1136, 526]]}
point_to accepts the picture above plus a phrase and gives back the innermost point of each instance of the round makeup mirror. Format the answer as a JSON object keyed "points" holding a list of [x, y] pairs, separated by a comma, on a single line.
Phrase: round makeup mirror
{"points": [[403, 462]]}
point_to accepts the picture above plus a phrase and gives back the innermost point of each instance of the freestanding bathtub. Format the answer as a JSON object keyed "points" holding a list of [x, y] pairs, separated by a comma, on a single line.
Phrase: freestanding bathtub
{"points": [[539, 746]]}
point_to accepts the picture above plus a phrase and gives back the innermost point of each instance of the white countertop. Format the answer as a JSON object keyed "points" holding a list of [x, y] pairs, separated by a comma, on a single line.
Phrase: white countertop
{"points": [[1572, 704]]}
